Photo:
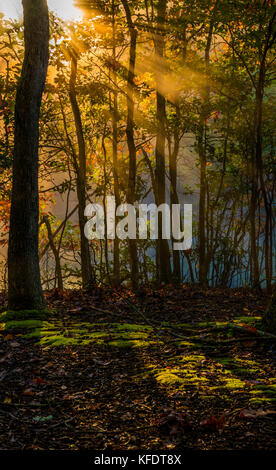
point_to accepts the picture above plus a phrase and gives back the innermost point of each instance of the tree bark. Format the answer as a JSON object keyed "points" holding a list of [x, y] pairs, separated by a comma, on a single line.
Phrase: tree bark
{"points": [[173, 154], [114, 111], [80, 168], [25, 290], [55, 253], [269, 320], [134, 266], [162, 248], [203, 268]]}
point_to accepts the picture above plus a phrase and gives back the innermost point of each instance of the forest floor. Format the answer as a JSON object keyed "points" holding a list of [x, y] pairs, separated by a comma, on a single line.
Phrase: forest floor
{"points": [[167, 369]]}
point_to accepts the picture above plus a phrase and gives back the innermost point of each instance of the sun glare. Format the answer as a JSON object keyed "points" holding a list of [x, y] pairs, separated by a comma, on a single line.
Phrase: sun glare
{"points": [[63, 8]]}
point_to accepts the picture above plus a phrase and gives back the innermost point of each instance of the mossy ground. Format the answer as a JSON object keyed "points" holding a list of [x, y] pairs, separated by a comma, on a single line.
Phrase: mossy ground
{"points": [[192, 370], [107, 377]]}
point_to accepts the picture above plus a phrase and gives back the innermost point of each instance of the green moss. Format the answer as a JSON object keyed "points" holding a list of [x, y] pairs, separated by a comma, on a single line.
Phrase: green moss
{"points": [[268, 389], [120, 343], [233, 383], [120, 335], [248, 320], [192, 358], [57, 341], [167, 377], [11, 315], [132, 327], [262, 401], [23, 324]]}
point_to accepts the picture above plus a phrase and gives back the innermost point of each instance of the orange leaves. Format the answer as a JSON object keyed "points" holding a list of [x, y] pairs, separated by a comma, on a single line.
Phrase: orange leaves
{"points": [[249, 328], [5, 204], [28, 393], [8, 337], [39, 381]]}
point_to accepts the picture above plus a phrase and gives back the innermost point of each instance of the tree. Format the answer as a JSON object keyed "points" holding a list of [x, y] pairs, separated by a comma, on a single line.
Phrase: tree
{"points": [[269, 320], [25, 290], [130, 138], [162, 248], [80, 165]]}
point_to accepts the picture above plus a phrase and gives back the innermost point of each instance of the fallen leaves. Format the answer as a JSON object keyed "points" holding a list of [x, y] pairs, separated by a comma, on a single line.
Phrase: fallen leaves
{"points": [[111, 400], [174, 423], [253, 414], [214, 424], [39, 381], [7, 401], [8, 337], [28, 393]]}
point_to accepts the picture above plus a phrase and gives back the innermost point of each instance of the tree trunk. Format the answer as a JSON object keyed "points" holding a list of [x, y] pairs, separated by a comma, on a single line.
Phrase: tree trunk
{"points": [[162, 248], [55, 253], [259, 165], [25, 290], [203, 268], [130, 140], [80, 168], [173, 154], [114, 111], [269, 320]]}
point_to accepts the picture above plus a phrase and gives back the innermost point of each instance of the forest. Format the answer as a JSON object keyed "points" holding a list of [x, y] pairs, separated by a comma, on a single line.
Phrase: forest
{"points": [[160, 334]]}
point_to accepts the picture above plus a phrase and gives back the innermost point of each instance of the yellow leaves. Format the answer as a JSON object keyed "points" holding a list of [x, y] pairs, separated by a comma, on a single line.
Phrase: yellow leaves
{"points": [[7, 401]]}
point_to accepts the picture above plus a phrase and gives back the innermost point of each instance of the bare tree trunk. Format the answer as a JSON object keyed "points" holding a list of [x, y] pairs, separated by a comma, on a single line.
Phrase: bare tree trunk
{"points": [[114, 110], [162, 248], [80, 168], [202, 242], [173, 154], [130, 140], [55, 253], [269, 320], [25, 290], [259, 165]]}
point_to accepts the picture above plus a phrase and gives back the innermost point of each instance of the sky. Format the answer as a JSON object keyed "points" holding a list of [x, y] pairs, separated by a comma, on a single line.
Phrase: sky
{"points": [[64, 8]]}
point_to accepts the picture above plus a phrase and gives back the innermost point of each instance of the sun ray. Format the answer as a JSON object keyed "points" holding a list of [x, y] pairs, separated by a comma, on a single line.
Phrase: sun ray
{"points": [[65, 9]]}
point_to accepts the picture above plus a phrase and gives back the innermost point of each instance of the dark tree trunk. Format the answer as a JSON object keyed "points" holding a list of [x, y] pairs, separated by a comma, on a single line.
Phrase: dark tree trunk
{"points": [[55, 252], [173, 154], [114, 111], [25, 291], [162, 248], [134, 266], [80, 168], [269, 320], [259, 163], [203, 264]]}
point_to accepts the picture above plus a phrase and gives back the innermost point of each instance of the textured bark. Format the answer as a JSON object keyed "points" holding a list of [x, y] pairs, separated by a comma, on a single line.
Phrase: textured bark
{"points": [[25, 291], [162, 248], [80, 168], [202, 242], [55, 253], [134, 266], [173, 154], [114, 111], [269, 320], [258, 154]]}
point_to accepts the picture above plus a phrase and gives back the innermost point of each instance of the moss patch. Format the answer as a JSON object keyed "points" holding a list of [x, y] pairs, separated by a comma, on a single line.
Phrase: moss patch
{"points": [[23, 324], [11, 315], [112, 334]]}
